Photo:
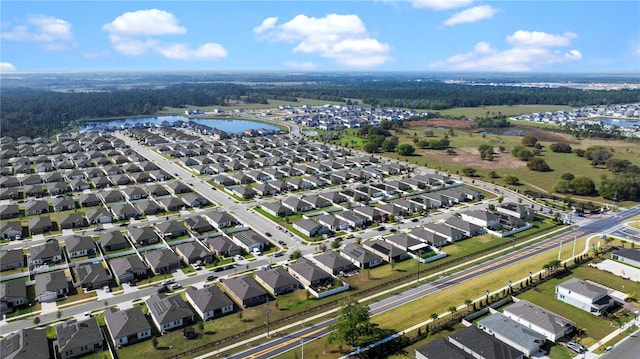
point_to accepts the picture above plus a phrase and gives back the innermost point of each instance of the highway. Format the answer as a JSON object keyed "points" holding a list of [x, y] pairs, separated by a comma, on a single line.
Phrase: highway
{"points": [[286, 343]]}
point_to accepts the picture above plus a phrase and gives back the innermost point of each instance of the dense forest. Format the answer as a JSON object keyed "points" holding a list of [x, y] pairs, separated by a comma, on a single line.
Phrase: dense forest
{"points": [[26, 111]]}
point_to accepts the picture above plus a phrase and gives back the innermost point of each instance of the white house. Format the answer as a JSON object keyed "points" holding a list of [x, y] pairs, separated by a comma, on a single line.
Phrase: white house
{"points": [[586, 295], [547, 323]]}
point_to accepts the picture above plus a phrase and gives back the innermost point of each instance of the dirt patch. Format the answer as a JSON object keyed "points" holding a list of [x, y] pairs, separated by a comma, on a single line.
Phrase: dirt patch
{"points": [[469, 156], [443, 122]]}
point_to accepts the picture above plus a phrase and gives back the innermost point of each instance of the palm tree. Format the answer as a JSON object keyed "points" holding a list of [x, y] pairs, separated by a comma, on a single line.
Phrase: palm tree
{"points": [[434, 316], [453, 309], [468, 302]]}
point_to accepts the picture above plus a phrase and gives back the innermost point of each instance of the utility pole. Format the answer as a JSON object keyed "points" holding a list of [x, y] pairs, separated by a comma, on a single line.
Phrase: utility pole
{"points": [[560, 250], [268, 309], [575, 239]]}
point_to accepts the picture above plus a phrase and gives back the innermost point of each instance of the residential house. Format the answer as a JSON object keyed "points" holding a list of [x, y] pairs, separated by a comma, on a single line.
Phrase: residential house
{"points": [[467, 228], [222, 219], [333, 263], [251, 240], [127, 326], [8, 211], [512, 333], [450, 233], [198, 224], [79, 246], [65, 203], [11, 230], [195, 200], [46, 253], [162, 261], [586, 295], [35, 207], [482, 345], [149, 207], [244, 192], [143, 236], [308, 273], [209, 302], [113, 240], [194, 252], [11, 259], [51, 286], [169, 312], [135, 193], [171, 229], [79, 338], [481, 218], [276, 281], [431, 238], [128, 269], [630, 256], [245, 291], [40, 225], [441, 348], [360, 257], [387, 251], [111, 196], [92, 276], [99, 215], [124, 211], [332, 222], [224, 247], [297, 205], [547, 323], [516, 210], [13, 295], [277, 209], [72, 220], [355, 220], [28, 343], [310, 227]]}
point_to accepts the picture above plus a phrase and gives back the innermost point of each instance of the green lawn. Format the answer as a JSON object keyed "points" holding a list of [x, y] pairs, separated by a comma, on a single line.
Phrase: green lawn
{"points": [[508, 111]]}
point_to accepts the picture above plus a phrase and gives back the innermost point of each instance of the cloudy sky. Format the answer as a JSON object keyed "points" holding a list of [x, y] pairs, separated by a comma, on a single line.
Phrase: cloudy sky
{"points": [[381, 35]]}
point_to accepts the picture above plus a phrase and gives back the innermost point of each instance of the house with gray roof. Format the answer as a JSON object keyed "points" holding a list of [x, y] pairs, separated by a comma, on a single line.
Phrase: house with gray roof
{"points": [[198, 224], [128, 269], [308, 273], [332, 222], [11, 230], [79, 338], [124, 211], [222, 219], [586, 295], [171, 229], [149, 207], [251, 240], [143, 236], [355, 220], [28, 343], [482, 345], [40, 225], [441, 348], [468, 229], [195, 200], [98, 215], [516, 210], [209, 302], [34, 207], [111, 196], [513, 333], [223, 246], [49, 252], [245, 291], [65, 203], [51, 285], [629, 256], [92, 275], [193, 252], [481, 218], [387, 251], [276, 281], [450, 233], [333, 263], [113, 240], [310, 227], [72, 220], [11, 259], [79, 246], [162, 260], [277, 209], [545, 322], [13, 294], [127, 326], [431, 238], [360, 257], [169, 312]]}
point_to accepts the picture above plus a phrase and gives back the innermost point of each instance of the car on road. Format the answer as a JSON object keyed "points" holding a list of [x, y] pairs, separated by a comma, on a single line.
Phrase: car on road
{"points": [[267, 234], [279, 228], [168, 281], [392, 230], [176, 286], [282, 242], [163, 289], [415, 220], [212, 277], [213, 188], [381, 228], [277, 254]]}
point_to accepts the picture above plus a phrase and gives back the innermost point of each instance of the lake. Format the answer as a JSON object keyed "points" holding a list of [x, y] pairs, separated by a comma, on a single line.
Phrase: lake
{"points": [[618, 122], [230, 125]]}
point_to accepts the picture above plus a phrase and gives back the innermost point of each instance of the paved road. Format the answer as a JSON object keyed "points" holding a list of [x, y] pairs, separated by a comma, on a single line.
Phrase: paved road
{"points": [[629, 348], [281, 345]]}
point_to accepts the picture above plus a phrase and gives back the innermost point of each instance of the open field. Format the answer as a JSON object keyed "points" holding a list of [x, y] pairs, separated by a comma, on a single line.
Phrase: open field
{"points": [[474, 112], [236, 105]]}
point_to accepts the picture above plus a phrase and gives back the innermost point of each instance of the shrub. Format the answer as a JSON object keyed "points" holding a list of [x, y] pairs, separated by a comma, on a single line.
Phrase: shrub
{"points": [[406, 149], [529, 140], [538, 164], [512, 180], [561, 147]]}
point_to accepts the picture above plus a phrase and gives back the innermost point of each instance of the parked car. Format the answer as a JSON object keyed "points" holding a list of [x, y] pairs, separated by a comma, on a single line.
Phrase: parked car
{"points": [[168, 281], [277, 254], [211, 277], [415, 220], [163, 289], [577, 347], [381, 228], [176, 286], [267, 234]]}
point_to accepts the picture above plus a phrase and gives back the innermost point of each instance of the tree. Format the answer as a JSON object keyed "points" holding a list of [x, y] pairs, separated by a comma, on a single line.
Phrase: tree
{"points": [[616, 165], [370, 147], [469, 171], [522, 153], [538, 164], [561, 147], [36, 320], [335, 244], [453, 310], [567, 176], [389, 144], [406, 149], [468, 302], [296, 254], [529, 140], [353, 322], [598, 155], [493, 174], [583, 186], [512, 180], [562, 186], [486, 151], [434, 316]]}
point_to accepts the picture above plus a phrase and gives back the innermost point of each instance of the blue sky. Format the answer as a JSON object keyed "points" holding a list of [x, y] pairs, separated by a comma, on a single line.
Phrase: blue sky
{"points": [[383, 35]]}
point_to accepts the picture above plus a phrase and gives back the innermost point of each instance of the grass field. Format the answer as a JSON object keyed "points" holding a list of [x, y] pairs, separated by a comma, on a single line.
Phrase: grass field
{"points": [[251, 106], [474, 112]]}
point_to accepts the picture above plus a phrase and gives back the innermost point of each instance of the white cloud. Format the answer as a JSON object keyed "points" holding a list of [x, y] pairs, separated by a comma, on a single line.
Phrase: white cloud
{"points": [[341, 38], [440, 4], [151, 22], [267, 24], [7, 67], [54, 34], [138, 32], [522, 38], [95, 54], [305, 66], [473, 14], [528, 56]]}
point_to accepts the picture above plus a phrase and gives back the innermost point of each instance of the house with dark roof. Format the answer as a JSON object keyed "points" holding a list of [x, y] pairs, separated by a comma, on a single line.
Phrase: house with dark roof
{"points": [[545, 322], [51, 285], [124, 211], [28, 343], [8, 211], [127, 326], [296, 204], [629, 256], [251, 240], [143, 236], [450, 233], [75, 338], [13, 295], [332, 222], [135, 193], [11, 259], [34, 207], [162, 260], [513, 334], [310, 227], [195, 200], [276, 281], [98, 215], [222, 219], [113, 240], [516, 210], [355, 220], [79, 246], [128, 269], [245, 291], [92, 275], [387, 251], [198, 224], [170, 229], [65, 203], [586, 295], [244, 192], [193, 252], [361, 257], [209, 302], [111, 196], [332, 262], [441, 348], [223, 246], [149, 207], [308, 273], [431, 238], [49, 252], [169, 312], [277, 209], [72, 220], [482, 345], [11, 230], [40, 225], [467, 228], [481, 218]]}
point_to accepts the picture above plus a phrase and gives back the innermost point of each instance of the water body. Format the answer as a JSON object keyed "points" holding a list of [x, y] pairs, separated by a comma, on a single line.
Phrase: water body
{"points": [[230, 125], [619, 122]]}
